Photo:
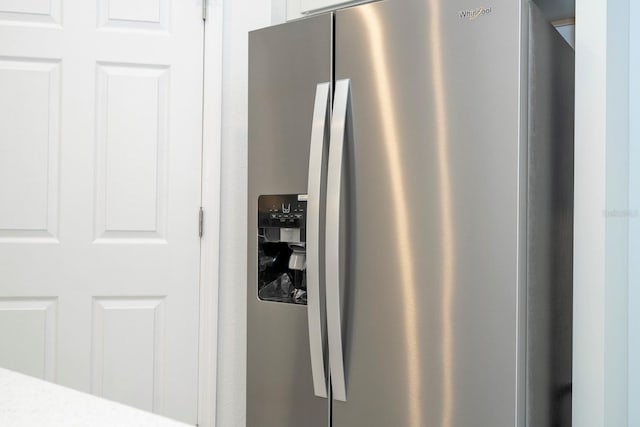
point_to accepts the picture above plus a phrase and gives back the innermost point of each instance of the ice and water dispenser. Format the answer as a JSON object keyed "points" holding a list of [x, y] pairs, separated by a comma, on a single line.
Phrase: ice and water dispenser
{"points": [[282, 259]]}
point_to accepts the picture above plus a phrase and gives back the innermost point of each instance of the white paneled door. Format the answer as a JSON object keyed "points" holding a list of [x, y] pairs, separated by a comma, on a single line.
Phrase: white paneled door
{"points": [[100, 169]]}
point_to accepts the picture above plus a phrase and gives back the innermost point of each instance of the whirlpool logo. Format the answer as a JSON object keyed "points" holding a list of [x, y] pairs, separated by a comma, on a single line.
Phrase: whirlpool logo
{"points": [[473, 14]]}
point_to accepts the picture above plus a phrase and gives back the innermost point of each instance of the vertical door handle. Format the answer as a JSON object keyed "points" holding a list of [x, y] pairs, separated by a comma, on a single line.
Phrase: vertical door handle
{"points": [[315, 211], [333, 257]]}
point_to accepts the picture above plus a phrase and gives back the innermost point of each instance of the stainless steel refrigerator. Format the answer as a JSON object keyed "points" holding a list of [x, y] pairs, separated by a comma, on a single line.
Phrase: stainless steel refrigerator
{"points": [[410, 210]]}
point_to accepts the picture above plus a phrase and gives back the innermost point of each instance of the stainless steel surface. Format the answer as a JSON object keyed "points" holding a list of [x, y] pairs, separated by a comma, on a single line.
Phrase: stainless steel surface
{"points": [[431, 332], [448, 217], [521, 294], [315, 212], [285, 65], [550, 226], [334, 257]]}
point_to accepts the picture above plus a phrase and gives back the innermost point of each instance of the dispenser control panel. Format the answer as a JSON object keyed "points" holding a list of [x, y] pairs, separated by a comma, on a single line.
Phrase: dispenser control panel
{"points": [[282, 211]]}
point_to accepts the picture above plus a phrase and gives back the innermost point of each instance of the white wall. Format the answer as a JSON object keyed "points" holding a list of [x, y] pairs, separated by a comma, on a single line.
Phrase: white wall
{"points": [[601, 249], [634, 219], [239, 17]]}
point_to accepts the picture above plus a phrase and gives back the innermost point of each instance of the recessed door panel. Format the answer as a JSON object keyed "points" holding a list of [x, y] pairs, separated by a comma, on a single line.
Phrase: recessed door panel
{"points": [[128, 363], [40, 13], [132, 134], [28, 326], [29, 149]]}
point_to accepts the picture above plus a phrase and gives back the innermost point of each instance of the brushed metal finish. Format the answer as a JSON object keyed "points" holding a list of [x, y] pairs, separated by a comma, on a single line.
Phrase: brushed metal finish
{"points": [[549, 225], [286, 63], [431, 307], [334, 230], [315, 212], [454, 298]]}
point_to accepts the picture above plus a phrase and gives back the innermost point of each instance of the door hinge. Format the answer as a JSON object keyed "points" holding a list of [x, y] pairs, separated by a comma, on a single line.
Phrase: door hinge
{"points": [[200, 221], [204, 10]]}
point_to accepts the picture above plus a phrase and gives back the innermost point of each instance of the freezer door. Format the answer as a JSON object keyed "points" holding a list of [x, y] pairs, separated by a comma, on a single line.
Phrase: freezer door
{"points": [[286, 64], [429, 305]]}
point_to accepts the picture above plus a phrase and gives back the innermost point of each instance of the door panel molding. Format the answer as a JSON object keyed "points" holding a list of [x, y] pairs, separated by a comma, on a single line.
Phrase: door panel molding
{"points": [[42, 13], [132, 134], [30, 145], [143, 381], [30, 326]]}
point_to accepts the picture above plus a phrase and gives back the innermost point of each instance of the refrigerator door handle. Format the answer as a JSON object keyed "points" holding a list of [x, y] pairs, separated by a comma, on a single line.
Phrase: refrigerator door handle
{"points": [[341, 105], [315, 202]]}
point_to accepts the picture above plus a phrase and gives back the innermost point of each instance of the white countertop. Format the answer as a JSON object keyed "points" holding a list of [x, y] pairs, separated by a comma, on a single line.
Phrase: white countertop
{"points": [[29, 402]]}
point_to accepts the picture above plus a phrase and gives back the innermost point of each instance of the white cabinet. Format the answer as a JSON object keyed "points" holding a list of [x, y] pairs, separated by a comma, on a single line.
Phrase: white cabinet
{"points": [[308, 6], [299, 8]]}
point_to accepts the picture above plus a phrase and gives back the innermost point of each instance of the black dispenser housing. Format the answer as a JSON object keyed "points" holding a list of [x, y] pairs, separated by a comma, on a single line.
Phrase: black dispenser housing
{"points": [[282, 248]]}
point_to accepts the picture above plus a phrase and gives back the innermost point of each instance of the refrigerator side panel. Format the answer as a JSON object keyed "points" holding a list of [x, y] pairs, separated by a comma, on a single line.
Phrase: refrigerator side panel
{"points": [[286, 63], [550, 225], [431, 297]]}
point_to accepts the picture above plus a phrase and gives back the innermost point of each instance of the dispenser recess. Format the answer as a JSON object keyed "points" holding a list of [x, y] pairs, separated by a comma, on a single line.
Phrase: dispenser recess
{"points": [[282, 248]]}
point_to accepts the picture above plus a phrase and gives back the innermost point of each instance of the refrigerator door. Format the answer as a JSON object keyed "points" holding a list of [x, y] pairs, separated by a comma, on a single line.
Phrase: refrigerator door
{"points": [[286, 63], [430, 305]]}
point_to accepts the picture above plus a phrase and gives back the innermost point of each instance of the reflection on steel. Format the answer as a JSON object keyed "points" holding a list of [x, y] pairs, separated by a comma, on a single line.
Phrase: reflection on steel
{"points": [[400, 202], [435, 48]]}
